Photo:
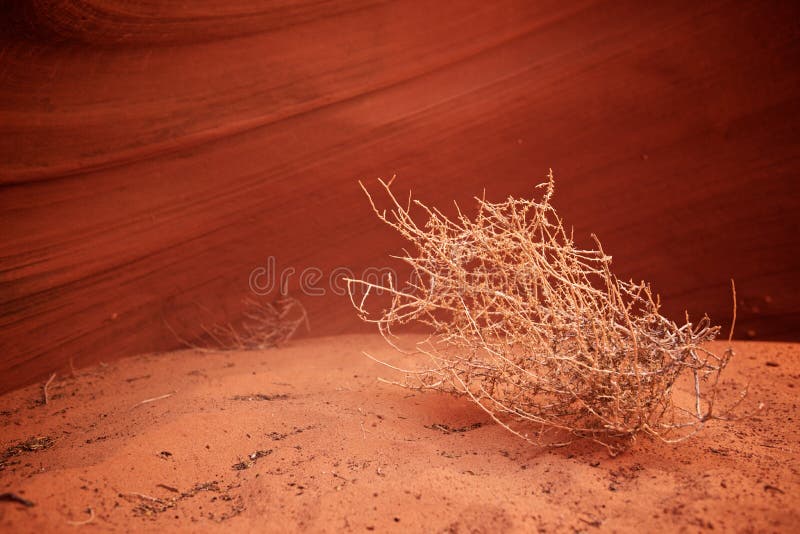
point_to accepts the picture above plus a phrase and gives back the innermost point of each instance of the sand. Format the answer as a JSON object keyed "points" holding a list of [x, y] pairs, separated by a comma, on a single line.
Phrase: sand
{"points": [[305, 438]]}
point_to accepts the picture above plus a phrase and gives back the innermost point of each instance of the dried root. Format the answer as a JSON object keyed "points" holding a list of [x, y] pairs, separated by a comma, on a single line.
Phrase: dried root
{"points": [[537, 331]]}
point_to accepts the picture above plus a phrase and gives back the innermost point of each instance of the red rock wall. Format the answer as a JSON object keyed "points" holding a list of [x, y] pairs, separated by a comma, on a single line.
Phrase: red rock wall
{"points": [[154, 155]]}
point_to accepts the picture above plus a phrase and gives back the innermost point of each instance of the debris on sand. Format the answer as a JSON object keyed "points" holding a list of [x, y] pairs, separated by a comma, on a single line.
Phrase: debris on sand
{"points": [[260, 397], [445, 429], [277, 436], [34, 444], [251, 460], [149, 506]]}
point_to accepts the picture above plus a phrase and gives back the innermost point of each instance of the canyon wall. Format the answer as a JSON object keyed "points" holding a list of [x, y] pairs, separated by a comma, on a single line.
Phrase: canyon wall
{"points": [[154, 156]]}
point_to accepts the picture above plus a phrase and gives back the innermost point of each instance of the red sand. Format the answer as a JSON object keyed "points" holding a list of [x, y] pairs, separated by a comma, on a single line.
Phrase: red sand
{"points": [[343, 452]]}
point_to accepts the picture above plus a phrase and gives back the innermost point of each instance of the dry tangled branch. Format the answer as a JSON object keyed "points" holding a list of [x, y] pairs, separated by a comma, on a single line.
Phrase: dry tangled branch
{"points": [[266, 325], [537, 331]]}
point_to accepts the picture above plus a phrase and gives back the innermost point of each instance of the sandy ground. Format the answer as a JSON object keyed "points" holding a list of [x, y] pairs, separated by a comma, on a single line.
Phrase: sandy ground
{"points": [[306, 438]]}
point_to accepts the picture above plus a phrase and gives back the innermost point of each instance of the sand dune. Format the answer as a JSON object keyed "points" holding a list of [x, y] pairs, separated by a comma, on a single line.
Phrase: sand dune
{"points": [[305, 438]]}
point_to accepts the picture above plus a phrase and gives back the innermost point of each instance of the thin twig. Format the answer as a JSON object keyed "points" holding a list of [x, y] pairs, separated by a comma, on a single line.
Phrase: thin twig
{"points": [[84, 522], [140, 496], [146, 401], [47, 385]]}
